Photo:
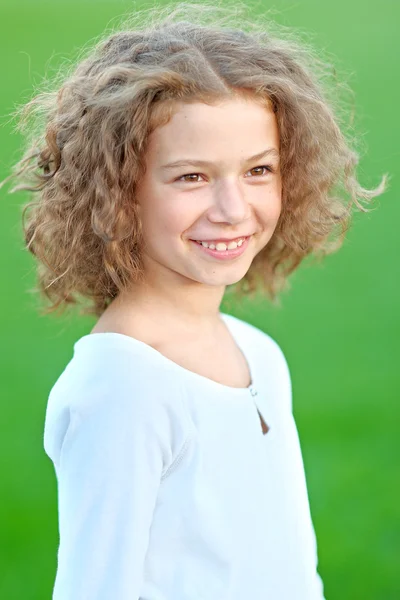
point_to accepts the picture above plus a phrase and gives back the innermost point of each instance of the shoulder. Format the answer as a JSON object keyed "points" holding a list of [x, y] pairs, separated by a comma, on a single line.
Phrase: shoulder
{"points": [[110, 361], [253, 336], [112, 383]]}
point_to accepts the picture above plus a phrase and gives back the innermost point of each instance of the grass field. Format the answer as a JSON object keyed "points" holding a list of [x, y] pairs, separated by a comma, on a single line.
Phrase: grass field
{"points": [[338, 325]]}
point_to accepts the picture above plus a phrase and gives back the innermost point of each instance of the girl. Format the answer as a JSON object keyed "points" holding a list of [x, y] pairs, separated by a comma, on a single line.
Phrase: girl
{"points": [[181, 156]]}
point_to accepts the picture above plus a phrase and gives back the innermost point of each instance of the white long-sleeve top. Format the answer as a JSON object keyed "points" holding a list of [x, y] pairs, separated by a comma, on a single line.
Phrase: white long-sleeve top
{"points": [[168, 489]]}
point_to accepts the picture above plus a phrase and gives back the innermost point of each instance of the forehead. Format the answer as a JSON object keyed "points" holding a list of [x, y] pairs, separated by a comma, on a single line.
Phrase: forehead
{"points": [[228, 128]]}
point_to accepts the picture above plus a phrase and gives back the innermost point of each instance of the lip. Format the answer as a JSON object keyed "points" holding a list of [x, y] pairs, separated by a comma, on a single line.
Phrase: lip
{"points": [[224, 254], [238, 237]]}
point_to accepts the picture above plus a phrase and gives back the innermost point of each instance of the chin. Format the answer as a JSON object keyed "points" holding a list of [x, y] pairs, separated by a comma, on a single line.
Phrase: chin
{"points": [[223, 281]]}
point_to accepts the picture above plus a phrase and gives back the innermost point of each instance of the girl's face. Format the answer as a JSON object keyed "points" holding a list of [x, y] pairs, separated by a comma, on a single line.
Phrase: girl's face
{"points": [[220, 192]]}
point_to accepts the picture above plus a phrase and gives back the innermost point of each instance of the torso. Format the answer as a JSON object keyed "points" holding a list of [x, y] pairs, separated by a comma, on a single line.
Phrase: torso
{"points": [[219, 359]]}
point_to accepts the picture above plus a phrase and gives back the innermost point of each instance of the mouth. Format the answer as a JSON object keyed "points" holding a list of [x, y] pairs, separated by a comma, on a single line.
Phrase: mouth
{"points": [[222, 244], [223, 249]]}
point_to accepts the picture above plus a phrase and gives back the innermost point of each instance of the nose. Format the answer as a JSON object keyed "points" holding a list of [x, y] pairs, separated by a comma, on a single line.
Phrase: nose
{"points": [[229, 204]]}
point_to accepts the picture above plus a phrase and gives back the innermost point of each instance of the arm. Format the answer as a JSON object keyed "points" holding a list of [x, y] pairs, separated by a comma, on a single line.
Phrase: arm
{"points": [[109, 469], [293, 467]]}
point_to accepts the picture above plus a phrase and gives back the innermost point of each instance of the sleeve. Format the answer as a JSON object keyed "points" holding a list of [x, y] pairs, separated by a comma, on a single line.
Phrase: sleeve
{"points": [[295, 476], [305, 527], [114, 453], [298, 480]]}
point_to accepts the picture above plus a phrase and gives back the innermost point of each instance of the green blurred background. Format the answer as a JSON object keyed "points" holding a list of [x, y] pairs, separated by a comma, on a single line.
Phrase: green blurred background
{"points": [[338, 324]]}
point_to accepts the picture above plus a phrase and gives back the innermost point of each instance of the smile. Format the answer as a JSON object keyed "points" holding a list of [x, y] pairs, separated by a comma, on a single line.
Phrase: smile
{"points": [[223, 250], [221, 246]]}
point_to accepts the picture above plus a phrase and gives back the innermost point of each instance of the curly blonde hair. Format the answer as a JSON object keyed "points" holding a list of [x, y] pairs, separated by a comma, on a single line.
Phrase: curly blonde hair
{"points": [[88, 140]]}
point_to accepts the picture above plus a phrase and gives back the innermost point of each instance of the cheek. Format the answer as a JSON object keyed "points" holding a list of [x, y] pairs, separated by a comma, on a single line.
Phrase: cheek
{"points": [[165, 215], [277, 208], [156, 211], [272, 205], [174, 223]]}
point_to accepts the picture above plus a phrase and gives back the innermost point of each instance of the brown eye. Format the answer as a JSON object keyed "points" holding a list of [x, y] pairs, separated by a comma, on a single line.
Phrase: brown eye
{"points": [[261, 170], [182, 178]]}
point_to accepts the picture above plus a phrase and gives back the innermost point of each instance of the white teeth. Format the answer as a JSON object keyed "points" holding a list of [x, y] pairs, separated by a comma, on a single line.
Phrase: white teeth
{"points": [[232, 245], [221, 246]]}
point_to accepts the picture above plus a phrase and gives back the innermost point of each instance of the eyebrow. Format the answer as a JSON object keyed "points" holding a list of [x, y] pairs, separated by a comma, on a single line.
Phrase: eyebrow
{"points": [[185, 162]]}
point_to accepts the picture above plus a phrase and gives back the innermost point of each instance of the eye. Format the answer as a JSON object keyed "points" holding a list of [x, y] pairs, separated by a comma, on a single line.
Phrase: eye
{"points": [[194, 175], [268, 169]]}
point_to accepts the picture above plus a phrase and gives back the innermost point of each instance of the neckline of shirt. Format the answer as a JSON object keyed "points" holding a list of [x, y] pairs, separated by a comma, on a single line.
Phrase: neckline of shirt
{"points": [[131, 342]]}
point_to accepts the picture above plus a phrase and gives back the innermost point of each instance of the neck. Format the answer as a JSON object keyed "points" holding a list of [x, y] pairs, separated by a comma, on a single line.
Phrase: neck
{"points": [[189, 304]]}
